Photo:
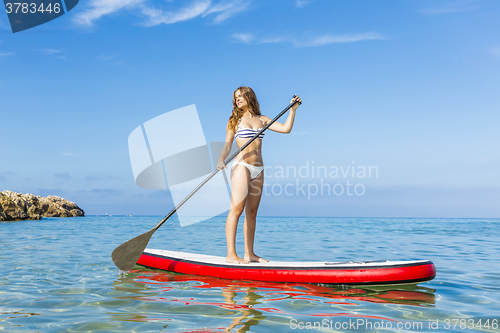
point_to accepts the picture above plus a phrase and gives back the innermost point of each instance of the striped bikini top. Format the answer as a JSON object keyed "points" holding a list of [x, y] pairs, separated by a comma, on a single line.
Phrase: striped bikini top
{"points": [[247, 132]]}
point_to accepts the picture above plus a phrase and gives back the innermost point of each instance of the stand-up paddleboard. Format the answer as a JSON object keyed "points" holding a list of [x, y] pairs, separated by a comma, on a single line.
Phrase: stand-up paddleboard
{"points": [[366, 272]]}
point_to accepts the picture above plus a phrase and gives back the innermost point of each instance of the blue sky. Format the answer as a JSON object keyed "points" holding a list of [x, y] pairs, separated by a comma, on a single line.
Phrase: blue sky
{"points": [[410, 87]]}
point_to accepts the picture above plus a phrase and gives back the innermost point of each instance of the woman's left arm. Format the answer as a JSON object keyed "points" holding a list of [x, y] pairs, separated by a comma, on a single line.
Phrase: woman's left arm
{"points": [[287, 126]]}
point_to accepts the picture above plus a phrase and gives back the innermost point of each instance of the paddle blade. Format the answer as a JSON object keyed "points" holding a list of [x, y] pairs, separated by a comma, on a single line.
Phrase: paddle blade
{"points": [[126, 255]]}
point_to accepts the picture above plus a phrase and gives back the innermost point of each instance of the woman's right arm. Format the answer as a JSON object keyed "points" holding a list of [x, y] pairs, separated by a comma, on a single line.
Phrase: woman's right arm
{"points": [[226, 150]]}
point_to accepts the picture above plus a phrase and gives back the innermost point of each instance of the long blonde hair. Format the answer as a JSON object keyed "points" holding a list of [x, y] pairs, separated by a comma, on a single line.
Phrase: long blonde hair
{"points": [[249, 95]]}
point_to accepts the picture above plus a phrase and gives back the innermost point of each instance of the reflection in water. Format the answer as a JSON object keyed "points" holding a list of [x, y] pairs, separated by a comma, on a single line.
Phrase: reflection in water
{"points": [[250, 302]]}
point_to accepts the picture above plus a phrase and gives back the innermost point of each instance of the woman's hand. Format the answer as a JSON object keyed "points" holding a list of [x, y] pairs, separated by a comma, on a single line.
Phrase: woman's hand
{"points": [[296, 105], [221, 165]]}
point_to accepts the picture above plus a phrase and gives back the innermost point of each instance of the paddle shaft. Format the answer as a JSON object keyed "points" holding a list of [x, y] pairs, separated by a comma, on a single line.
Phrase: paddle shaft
{"points": [[229, 159]]}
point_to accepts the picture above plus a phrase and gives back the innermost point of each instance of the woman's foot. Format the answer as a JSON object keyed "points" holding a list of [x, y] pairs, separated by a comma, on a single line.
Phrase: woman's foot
{"points": [[255, 258], [234, 259]]}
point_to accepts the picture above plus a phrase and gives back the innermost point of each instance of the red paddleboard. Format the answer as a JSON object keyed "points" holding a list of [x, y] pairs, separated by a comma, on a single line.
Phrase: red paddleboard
{"points": [[364, 272]]}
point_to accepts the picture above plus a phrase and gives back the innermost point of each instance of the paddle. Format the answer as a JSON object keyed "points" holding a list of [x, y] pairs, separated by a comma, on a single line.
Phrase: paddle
{"points": [[126, 255]]}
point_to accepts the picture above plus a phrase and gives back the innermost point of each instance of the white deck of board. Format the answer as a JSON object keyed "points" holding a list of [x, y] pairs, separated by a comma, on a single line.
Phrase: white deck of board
{"points": [[207, 259]]}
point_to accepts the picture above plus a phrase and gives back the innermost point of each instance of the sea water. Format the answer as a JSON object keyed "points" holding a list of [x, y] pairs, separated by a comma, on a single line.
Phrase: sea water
{"points": [[57, 276]]}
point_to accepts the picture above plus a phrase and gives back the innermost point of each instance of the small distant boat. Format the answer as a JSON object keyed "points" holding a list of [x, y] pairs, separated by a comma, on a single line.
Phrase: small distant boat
{"points": [[349, 273]]}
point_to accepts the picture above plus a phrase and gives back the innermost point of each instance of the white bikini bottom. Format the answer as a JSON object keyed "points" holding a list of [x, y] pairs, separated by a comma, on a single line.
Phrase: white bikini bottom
{"points": [[254, 170]]}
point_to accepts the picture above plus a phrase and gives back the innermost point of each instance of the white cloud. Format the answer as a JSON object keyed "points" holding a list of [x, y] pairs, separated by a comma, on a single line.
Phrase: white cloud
{"points": [[50, 51], [70, 154], [159, 15], [6, 54], [302, 3], [244, 38], [227, 9], [270, 40], [335, 39], [311, 42], [100, 8], [495, 51]]}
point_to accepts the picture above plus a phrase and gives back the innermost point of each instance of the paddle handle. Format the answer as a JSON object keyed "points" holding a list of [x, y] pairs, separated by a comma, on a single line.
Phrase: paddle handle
{"points": [[229, 159]]}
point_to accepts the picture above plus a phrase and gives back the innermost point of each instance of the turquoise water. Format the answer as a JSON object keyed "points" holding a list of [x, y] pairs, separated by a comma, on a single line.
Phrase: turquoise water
{"points": [[57, 276]]}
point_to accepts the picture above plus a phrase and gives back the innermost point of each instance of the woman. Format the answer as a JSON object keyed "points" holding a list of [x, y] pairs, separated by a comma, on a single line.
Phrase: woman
{"points": [[247, 172]]}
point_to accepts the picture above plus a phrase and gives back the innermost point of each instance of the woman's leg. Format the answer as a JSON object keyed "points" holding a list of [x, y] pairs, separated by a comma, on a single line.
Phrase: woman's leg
{"points": [[251, 207], [240, 179]]}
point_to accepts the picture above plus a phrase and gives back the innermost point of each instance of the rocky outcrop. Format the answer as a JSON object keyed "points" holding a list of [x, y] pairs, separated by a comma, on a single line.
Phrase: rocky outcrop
{"points": [[18, 206]]}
